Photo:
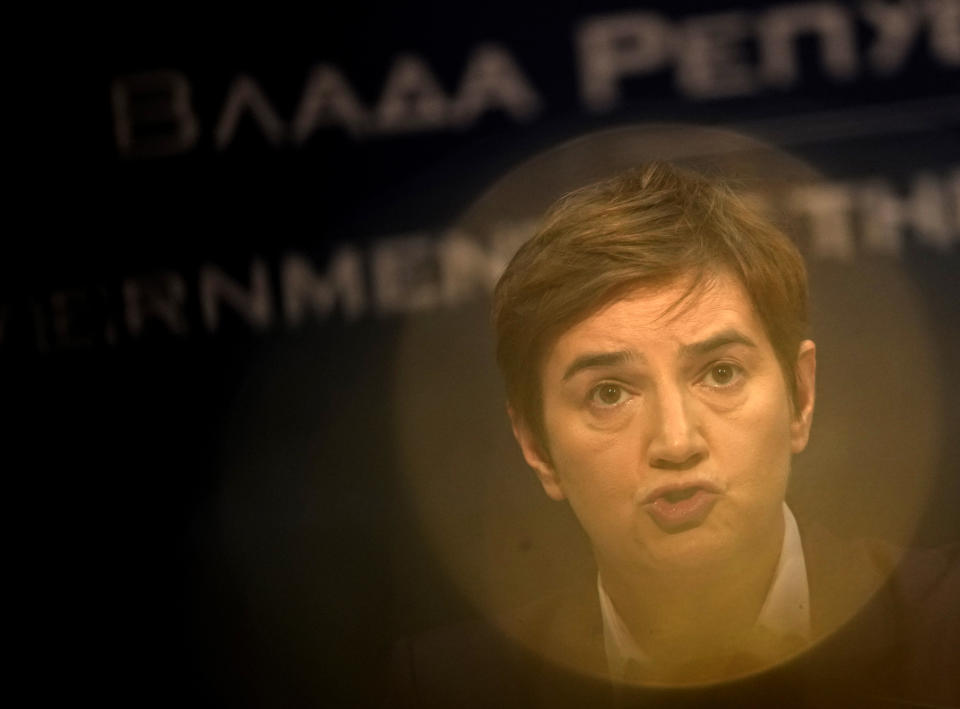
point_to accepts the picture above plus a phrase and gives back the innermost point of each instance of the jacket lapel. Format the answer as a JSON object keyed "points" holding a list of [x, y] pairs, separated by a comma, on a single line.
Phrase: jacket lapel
{"points": [[851, 601]]}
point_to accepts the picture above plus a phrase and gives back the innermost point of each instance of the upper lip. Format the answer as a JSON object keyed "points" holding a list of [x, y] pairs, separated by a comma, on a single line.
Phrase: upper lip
{"points": [[678, 485]]}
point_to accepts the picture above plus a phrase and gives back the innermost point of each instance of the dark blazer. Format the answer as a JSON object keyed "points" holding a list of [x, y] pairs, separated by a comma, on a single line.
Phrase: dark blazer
{"points": [[886, 626]]}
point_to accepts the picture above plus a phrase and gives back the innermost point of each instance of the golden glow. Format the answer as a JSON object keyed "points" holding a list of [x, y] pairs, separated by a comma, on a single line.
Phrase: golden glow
{"points": [[867, 470]]}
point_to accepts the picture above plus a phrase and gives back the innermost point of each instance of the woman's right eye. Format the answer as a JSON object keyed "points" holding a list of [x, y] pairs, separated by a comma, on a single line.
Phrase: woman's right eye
{"points": [[607, 395]]}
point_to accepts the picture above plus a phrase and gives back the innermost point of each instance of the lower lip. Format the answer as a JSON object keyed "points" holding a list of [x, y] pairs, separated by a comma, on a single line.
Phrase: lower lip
{"points": [[684, 514]]}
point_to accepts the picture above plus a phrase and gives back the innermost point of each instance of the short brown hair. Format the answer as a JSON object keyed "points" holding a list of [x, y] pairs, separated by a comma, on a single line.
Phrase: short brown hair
{"points": [[649, 225]]}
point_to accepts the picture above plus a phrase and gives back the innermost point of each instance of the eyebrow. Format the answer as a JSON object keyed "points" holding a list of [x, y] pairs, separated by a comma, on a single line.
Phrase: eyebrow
{"points": [[721, 339], [607, 359], [599, 359]]}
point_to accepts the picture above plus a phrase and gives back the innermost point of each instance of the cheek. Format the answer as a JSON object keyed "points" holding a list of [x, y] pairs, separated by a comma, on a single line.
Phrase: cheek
{"points": [[594, 466], [587, 462], [759, 438]]}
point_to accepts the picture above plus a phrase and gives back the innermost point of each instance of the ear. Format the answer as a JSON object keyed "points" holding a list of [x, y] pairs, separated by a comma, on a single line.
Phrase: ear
{"points": [[806, 375], [535, 456]]}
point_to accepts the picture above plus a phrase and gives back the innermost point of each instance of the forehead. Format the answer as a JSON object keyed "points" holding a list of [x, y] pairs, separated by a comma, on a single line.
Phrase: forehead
{"points": [[675, 313]]}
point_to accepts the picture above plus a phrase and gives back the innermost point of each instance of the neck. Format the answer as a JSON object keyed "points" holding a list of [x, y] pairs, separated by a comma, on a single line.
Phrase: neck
{"points": [[683, 616]]}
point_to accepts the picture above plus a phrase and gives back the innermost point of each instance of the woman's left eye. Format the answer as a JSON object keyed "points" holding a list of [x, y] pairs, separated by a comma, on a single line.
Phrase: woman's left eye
{"points": [[722, 374]]}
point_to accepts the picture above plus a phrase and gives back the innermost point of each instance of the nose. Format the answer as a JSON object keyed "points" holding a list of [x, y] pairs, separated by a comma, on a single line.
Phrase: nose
{"points": [[677, 442]]}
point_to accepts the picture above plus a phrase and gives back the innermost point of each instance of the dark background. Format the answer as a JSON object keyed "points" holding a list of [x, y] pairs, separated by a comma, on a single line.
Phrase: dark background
{"points": [[221, 518]]}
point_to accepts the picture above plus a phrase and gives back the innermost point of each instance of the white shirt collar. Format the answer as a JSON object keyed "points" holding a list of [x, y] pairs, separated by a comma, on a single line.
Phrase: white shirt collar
{"points": [[785, 611]]}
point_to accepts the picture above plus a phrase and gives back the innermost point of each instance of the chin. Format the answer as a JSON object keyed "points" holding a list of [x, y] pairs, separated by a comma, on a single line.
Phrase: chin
{"points": [[688, 550]]}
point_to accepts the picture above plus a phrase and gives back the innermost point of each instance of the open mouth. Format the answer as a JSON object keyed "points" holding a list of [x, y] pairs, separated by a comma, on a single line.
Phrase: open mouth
{"points": [[677, 509], [683, 494]]}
